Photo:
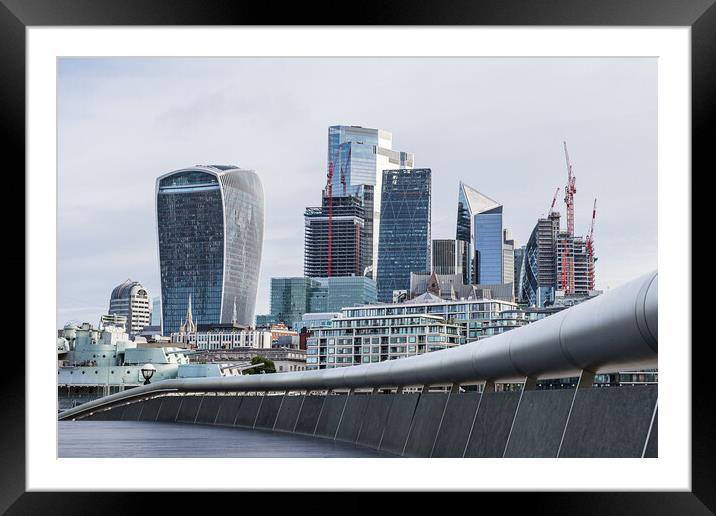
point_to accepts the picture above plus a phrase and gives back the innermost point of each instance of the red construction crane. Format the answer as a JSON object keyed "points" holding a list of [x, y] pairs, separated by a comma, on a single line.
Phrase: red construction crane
{"points": [[591, 228], [569, 192], [554, 200], [590, 247]]}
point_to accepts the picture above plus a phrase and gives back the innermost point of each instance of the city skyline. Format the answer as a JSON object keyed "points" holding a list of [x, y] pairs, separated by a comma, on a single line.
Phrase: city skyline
{"points": [[522, 175]]}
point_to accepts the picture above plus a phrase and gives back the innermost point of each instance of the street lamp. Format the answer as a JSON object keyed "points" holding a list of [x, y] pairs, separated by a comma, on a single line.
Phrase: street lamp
{"points": [[148, 371]]}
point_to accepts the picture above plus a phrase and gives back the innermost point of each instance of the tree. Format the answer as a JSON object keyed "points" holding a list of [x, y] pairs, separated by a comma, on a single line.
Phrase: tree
{"points": [[267, 366]]}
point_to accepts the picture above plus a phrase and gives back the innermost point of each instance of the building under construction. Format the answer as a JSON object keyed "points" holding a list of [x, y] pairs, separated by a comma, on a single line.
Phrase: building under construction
{"points": [[573, 266], [344, 229], [556, 260]]}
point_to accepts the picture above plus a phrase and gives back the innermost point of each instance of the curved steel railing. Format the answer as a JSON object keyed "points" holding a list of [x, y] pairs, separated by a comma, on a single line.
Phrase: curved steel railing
{"points": [[614, 331]]}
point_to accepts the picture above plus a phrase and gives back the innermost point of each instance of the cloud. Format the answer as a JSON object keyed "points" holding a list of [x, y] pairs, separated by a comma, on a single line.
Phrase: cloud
{"points": [[496, 124]]}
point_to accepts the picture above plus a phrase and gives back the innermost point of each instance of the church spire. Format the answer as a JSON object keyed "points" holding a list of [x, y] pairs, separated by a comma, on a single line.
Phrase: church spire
{"points": [[189, 325], [233, 316]]}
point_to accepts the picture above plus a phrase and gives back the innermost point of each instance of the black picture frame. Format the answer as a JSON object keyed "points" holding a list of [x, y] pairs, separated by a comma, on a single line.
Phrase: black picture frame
{"points": [[17, 15]]}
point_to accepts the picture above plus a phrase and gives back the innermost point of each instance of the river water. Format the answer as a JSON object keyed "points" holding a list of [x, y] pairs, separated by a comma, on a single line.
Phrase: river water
{"points": [[153, 439]]}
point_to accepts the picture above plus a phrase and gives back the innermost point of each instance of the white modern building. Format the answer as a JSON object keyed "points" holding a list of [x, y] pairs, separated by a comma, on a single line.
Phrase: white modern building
{"points": [[131, 300], [471, 314], [377, 338]]}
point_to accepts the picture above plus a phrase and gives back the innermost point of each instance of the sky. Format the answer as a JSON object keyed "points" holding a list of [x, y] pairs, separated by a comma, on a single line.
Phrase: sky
{"points": [[495, 123]]}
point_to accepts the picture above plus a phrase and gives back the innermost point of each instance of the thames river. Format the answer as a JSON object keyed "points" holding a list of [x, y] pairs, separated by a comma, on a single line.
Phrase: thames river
{"points": [[153, 439]]}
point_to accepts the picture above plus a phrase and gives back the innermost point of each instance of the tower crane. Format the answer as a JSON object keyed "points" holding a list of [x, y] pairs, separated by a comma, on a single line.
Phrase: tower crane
{"points": [[554, 200], [590, 247], [568, 255], [569, 192]]}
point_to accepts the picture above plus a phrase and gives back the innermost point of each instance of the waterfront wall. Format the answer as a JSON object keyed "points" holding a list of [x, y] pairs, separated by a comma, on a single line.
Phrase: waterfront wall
{"points": [[591, 422]]}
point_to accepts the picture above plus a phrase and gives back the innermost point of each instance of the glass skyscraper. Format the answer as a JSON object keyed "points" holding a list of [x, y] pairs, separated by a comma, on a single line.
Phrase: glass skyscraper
{"points": [[480, 226], [210, 221], [359, 156], [404, 245]]}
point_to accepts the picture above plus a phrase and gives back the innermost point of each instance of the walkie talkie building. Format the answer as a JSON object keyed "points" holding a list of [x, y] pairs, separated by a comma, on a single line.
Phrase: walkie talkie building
{"points": [[210, 223]]}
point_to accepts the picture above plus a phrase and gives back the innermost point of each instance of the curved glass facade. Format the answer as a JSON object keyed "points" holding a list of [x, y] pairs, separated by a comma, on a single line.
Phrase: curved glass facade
{"points": [[244, 218], [529, 277], [210, 233]]}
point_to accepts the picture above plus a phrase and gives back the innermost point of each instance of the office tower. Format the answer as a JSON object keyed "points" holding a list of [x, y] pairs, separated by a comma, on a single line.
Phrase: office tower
{"points": [[348, 238], [210, 222], [448, 256], [508, 257], [489, 256], [291, 298], [405, 229], [131, 300], [538, 279], [479, 225], [359, 155]]}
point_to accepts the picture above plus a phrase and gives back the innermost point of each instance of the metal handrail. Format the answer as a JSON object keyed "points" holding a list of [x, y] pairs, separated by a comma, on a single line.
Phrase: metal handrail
{"points": [[614, 331]]}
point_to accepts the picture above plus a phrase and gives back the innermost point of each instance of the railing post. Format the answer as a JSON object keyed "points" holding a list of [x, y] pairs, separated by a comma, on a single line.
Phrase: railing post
{"points": [[258, 411], [651, 425], [488, 386], [455, 389], [351, 392], [529, 384]]}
